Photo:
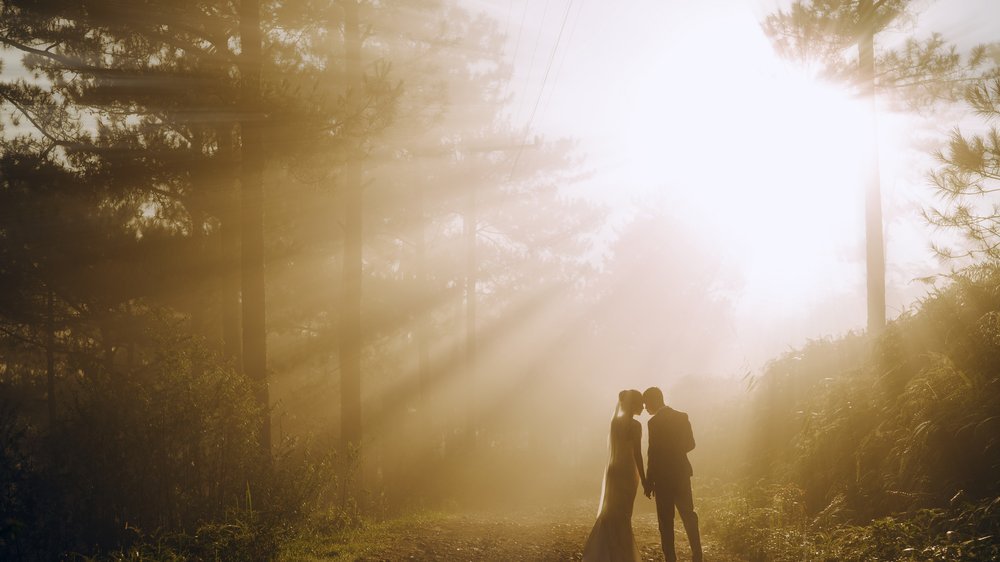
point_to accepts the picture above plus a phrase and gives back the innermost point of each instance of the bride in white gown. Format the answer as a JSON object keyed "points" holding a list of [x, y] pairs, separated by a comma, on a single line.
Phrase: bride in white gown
{"points": [[611, 539]]}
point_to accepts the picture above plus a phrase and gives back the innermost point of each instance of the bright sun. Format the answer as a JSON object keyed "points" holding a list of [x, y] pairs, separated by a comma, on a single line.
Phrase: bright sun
{"points": [[760, 153]]}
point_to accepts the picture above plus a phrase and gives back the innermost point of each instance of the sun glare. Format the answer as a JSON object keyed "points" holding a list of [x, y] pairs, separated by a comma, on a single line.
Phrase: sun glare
{"points": [[760, 153]]}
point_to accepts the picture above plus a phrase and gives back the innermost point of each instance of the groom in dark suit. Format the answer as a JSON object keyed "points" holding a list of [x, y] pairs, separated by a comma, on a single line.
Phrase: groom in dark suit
{"points": [[668, 477]]}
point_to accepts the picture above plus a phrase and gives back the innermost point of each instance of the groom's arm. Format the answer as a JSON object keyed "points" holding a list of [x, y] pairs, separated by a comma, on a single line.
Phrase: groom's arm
{"points": [[688, 435], [637, 453], [650, 487]]}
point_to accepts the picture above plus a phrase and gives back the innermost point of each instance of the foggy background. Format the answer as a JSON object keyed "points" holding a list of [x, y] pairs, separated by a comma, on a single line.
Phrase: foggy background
{"points": [[480, 221]]}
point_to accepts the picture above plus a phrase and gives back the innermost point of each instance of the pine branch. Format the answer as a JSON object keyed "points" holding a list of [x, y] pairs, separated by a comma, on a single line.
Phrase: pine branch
{"points": [[68, 62], [27, 114]]}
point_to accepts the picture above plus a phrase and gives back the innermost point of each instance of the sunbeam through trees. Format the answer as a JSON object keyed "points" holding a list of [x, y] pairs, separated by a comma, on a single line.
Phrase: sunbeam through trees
{"points": [[499, 280]]}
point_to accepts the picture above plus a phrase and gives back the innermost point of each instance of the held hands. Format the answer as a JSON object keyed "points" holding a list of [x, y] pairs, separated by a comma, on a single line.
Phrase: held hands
{"points": [[647, 489]]}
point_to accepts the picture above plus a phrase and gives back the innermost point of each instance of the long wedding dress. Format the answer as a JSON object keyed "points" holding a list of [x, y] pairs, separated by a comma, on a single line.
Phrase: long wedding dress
{"points": [[611, 539]]}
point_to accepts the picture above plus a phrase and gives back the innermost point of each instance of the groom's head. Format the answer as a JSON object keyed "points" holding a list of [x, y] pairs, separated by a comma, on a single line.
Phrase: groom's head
{"points": [[653, 398]]}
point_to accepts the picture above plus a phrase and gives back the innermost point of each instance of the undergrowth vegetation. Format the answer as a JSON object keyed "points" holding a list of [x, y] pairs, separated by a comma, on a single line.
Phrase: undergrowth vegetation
{"points": [[769, 523], [880, 450], [156, 460]]}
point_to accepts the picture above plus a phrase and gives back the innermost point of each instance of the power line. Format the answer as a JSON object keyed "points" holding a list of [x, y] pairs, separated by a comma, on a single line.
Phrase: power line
{"points": [[562, 60], [545, 78], [517, 47], [506, 28], [534, 51]]}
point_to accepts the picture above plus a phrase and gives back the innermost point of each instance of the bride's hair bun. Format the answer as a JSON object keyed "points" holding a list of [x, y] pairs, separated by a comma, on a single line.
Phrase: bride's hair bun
{"points": [[629, 398]]}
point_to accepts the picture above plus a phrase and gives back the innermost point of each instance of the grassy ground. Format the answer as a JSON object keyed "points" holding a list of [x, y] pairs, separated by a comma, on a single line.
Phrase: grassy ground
{"points": [[546, 534]]}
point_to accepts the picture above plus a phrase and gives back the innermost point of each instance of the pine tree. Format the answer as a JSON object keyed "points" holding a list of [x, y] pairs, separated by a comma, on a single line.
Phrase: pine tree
{"points": [[919, 74], [967, 177]]}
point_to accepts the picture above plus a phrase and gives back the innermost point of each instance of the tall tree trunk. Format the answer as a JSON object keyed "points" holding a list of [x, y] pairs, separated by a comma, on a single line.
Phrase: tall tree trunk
{"points": [[423, 353], [196, 294], [50, 353], [229, 240], [350, 325], [875, 251], [252, 215], [469, 234]]}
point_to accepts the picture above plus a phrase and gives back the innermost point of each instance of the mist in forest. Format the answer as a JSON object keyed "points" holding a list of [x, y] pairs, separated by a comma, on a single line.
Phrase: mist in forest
{"points": [[290, 262]]}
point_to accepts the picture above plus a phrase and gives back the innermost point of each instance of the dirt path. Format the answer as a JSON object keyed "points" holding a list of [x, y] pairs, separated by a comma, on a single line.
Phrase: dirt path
{"points": [[535, 536]]}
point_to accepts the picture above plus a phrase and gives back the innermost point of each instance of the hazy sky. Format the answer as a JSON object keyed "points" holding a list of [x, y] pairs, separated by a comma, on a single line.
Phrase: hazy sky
{"points": [[683, 105]]}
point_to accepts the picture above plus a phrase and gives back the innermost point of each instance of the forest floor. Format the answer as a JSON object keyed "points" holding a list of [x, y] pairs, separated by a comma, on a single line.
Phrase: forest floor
{"points": [[546, 534]]}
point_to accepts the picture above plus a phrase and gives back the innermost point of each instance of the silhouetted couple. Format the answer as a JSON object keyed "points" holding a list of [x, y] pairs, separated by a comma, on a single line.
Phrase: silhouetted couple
{"points": [[668, 479]]}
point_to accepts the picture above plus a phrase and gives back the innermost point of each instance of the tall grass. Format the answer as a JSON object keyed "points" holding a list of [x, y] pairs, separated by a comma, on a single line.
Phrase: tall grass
{"points": [[884, 449]]}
